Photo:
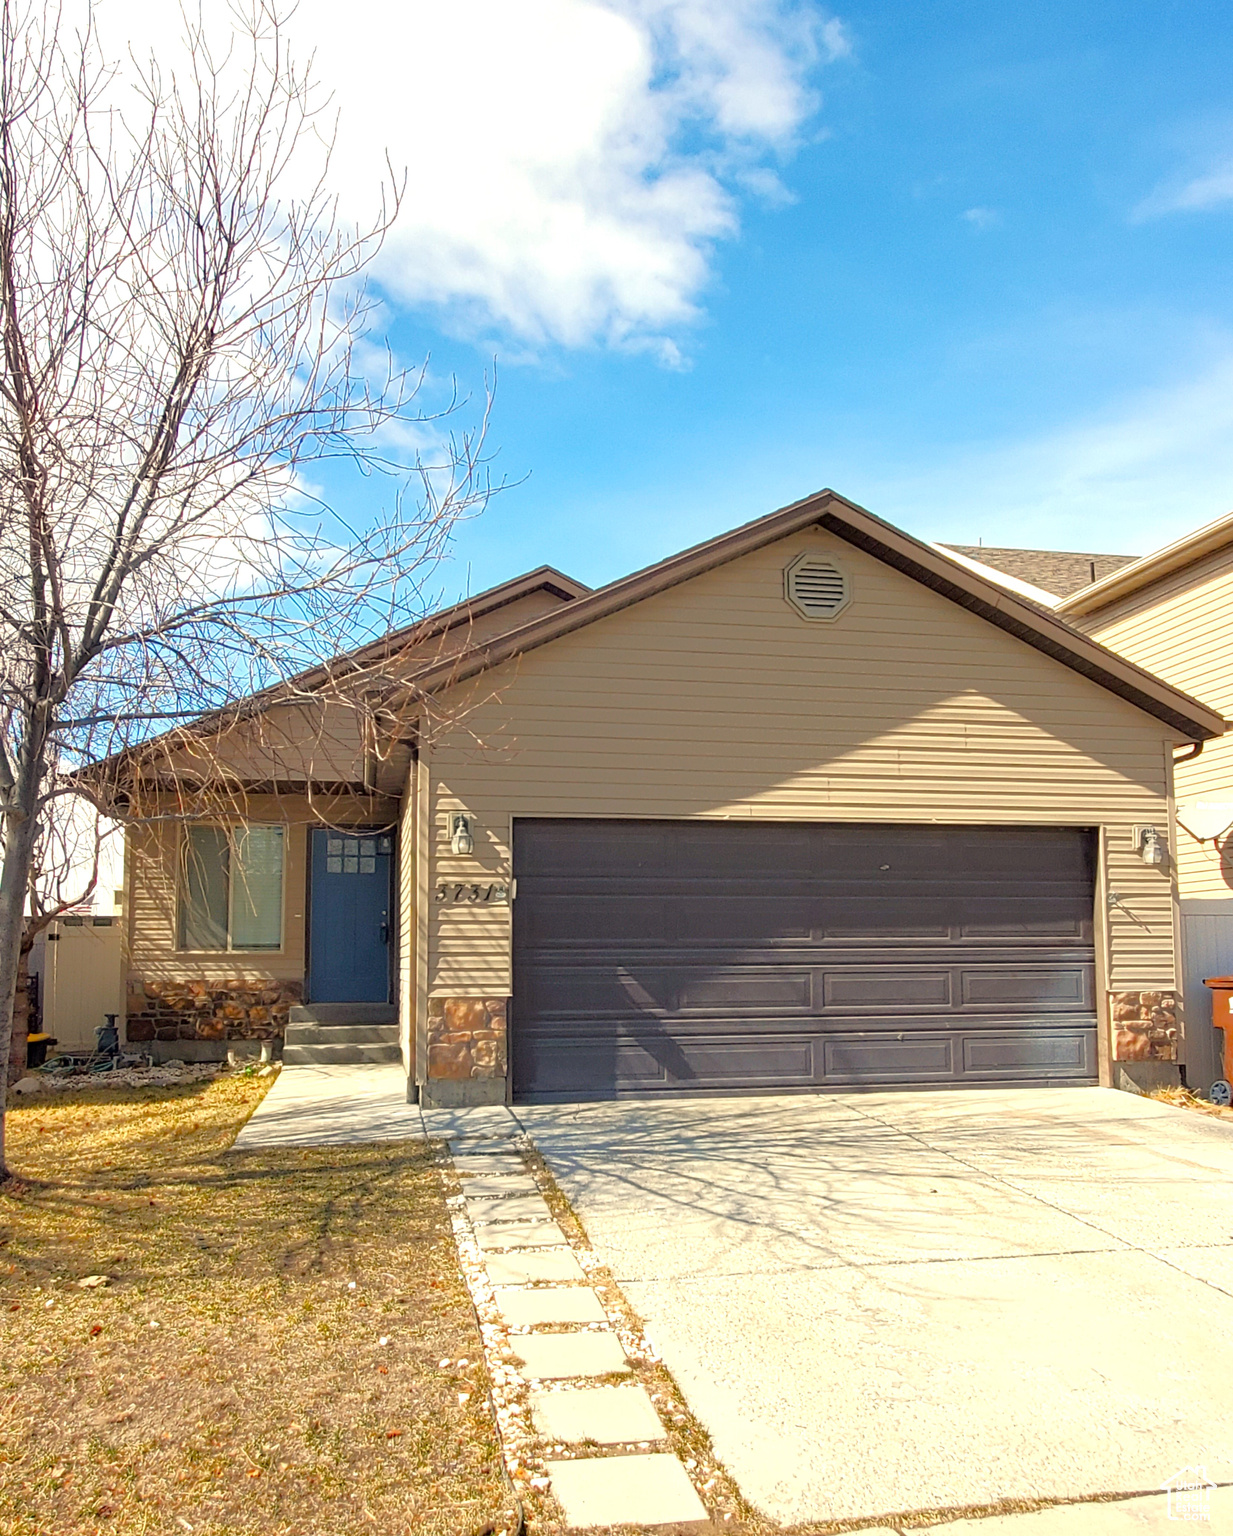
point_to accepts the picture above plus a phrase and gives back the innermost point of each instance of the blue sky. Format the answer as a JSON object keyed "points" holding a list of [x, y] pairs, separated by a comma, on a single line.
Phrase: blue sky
{"points": [[968, 264]]}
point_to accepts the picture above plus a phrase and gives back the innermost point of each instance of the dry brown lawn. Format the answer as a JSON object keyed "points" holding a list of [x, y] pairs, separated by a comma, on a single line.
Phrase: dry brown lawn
{"points": [[1183, 1098], [231, 1377]]}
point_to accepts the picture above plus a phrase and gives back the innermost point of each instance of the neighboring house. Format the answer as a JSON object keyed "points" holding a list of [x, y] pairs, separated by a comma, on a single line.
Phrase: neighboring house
{"points": [[1055, 573], [1172, 612], [810, 805]]}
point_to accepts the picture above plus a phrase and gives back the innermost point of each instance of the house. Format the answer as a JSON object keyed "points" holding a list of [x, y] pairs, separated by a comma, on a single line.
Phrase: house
{"points": [[810, 805], [1054, 573], [1172, 612]]}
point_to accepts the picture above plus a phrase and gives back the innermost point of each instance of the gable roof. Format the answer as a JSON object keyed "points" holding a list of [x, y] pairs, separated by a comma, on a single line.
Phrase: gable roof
{"points": [[922, 562], [368, 658], [467, 612], [1056, 571], [1129, 579]]}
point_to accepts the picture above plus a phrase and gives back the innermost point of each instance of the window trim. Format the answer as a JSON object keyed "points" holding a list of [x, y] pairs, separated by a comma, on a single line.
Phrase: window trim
{"points": [[230, 827]]}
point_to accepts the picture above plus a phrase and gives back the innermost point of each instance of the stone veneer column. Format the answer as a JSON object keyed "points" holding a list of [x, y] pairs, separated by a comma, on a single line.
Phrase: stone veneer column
{"points": [[466, 1051], [1144, 1026]]}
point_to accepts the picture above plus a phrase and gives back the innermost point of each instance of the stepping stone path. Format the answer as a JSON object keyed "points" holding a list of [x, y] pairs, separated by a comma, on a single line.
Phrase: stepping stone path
{"points": [[561, 1304], [607, 1415], [573, 1346]]}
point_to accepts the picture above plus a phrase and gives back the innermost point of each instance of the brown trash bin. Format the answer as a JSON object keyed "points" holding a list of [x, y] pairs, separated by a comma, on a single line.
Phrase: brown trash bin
{"points": [[1222, 1016]]}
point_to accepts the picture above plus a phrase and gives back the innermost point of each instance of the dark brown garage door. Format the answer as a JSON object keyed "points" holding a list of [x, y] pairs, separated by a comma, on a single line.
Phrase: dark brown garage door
{"points": [[670, 957]]}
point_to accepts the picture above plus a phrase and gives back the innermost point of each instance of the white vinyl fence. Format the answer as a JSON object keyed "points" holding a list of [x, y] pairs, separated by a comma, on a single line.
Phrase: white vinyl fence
{"points": [[81, 978]]}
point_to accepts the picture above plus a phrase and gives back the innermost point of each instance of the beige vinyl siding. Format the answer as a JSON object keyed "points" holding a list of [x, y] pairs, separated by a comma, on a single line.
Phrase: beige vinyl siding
{"points": [[715, 699], [152, 860], [1181, 628], [319, 740]]}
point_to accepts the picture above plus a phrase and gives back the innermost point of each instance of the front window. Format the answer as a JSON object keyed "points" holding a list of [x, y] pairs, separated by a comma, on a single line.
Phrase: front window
{"points": [[231, 888]]}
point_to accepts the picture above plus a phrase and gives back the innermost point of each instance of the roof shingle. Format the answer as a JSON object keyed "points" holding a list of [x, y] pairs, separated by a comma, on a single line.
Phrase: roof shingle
{"points": [[1058, 571]]}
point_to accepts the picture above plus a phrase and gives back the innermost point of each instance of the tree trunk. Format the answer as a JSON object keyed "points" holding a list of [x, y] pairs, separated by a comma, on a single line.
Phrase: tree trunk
{"points": [[19, 841], [21, 1012]]}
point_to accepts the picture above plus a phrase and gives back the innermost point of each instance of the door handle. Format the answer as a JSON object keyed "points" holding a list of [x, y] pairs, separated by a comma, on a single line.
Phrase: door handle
{"points": [[385, 933]]}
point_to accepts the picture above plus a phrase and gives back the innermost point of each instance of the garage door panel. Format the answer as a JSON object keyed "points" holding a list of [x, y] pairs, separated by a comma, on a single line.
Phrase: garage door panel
{"points": [[579, 922], [1057, 1053], [888, 1060], [875, 919], [888, 988], [759, 989], [677, 957], [570, 992], [1056, 986], [726, 920], [1063, 918], [772, 1061]]}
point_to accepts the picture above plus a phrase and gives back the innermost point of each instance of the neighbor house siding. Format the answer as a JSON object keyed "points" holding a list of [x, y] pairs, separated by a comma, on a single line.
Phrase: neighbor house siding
{"points": [[715, 699], [1181, 628]]}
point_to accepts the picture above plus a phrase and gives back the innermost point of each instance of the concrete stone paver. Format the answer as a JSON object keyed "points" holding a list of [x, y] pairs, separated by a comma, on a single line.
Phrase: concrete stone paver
{"points": [[518, 1207], [482, 1121], [1149, 1516], [884, 1302], [544, 1304], [494, 1186], [558, 1355], [527, 1234], [625, 1490], [607, 1415], [505, 1163], [524, 1266], [312, 1106]]}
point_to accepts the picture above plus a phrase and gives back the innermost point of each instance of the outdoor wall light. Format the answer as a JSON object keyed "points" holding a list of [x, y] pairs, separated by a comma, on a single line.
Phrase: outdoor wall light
{"points": [[1150, 845], [461, 840]]}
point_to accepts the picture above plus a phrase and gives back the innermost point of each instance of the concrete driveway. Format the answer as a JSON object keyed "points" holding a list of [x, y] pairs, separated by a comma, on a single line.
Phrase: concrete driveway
{"points": [[888, 1302]]}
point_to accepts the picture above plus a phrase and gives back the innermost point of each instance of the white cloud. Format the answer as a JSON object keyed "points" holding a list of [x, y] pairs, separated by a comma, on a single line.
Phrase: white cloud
{"points": [[571, 163], [1155, 464], [980, 218], [1207, 191]]}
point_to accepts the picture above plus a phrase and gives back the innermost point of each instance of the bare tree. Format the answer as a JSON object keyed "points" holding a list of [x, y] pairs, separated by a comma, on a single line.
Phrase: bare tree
{"points": [[181, 334]]}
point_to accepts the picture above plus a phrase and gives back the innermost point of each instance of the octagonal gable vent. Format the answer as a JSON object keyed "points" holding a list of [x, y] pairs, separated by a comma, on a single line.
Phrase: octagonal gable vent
{"points": [[815, 587]]}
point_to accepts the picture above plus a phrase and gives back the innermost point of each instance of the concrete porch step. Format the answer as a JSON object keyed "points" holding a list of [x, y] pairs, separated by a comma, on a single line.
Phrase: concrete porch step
{"points": [[340, 1055], [341, 1034], [329, 1014]]}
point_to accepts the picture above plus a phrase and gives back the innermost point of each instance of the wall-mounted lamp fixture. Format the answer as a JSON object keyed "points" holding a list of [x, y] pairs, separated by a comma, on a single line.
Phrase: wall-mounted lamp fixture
{"points": [[1150, 845], [461, 840]]}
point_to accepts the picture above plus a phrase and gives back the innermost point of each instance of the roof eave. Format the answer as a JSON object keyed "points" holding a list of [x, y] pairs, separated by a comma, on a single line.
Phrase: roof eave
{"points": [[863, 529], [364, 658], [1130, 579]]}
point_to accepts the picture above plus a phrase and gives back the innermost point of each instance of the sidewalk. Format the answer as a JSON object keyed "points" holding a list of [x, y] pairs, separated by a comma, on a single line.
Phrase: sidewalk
{"points": [[1127, 1517], [341, 1105]]}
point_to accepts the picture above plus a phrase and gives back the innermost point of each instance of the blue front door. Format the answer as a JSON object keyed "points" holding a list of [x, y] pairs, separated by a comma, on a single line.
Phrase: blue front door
{"points": [[349, 938]]}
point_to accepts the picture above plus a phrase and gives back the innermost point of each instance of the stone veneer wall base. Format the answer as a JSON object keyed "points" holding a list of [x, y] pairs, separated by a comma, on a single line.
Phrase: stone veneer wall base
{"points": [[170, 1012], [454, 1093], [1144, 1077]]}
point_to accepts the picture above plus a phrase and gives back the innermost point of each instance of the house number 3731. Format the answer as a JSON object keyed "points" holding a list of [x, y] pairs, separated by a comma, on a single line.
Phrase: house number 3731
{"points": [[489, 895]]}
